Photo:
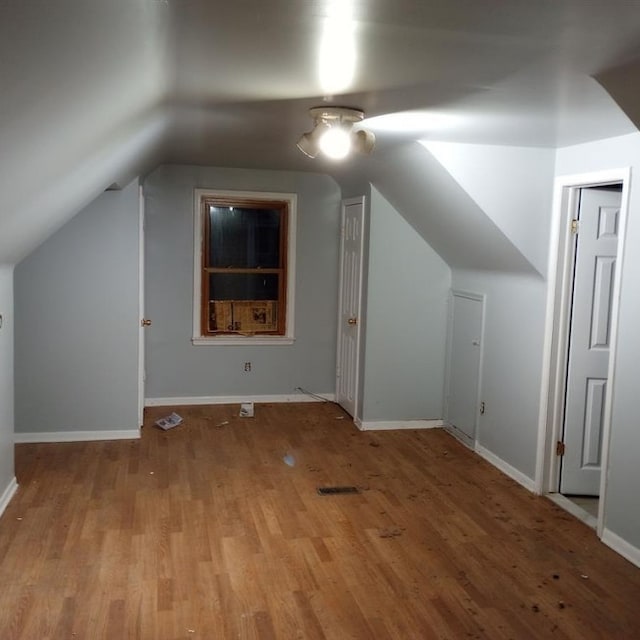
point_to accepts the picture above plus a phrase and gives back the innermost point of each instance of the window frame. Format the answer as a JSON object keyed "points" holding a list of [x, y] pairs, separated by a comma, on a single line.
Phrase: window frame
{"points": [[199, 245]]}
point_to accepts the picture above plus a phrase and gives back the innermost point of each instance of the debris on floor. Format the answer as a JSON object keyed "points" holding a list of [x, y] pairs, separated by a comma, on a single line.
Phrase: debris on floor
{"points": [[221, 424], [169, 422], [289, 460], [390, 533], [246, 410]]}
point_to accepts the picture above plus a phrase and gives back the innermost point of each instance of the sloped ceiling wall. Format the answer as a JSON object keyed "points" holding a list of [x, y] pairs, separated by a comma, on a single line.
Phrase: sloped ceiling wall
{"points": [[455, 225], [81, 82], [94, 93], [621, 82], [512, 185]]}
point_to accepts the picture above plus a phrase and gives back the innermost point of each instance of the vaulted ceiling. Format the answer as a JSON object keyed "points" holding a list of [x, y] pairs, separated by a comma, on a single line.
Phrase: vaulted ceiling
{"points": [[96, 92]]}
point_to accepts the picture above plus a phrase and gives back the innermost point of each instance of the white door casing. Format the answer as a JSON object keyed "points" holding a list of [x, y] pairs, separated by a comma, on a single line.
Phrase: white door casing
{"points": [[589, 340], [553, 383], [349, 305], [141, 326], [462, 402]]}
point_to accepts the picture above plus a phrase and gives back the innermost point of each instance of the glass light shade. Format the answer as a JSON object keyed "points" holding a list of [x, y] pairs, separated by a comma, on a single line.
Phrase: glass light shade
{"points": [[308, 145], [363, 141], [335, 143]]}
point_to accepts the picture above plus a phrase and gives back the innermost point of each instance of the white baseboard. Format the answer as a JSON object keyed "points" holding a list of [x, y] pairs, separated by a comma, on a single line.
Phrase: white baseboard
{"points": [[573, 509], [460, 436], [77, 436], [379, 425], [624, 548], [7, 494], [196, 400], [506, 468]]}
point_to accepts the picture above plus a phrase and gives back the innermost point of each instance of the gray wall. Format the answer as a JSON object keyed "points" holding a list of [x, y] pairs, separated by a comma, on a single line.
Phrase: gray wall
{"points": [[486, 211], [512, 186], [6, 377], [177, 368], [447, 214], [408, 285], [76, 309], [512, 362], [622, 515], [86, 89]]}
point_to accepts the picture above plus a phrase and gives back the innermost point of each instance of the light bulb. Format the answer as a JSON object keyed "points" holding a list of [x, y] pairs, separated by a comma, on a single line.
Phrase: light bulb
{"points": [[335, 143]]}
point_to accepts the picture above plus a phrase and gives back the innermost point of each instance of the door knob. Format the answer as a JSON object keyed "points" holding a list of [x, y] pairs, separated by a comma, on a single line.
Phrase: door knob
{"points": [[352, 321], [145, 322]]}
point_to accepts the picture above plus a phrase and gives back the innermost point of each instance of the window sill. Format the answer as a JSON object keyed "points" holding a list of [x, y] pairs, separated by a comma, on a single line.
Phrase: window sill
{"points": [[242, 340]]}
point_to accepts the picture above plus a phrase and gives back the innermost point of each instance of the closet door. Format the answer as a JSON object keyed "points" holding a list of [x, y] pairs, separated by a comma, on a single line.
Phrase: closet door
{"points": [[462, 405]]}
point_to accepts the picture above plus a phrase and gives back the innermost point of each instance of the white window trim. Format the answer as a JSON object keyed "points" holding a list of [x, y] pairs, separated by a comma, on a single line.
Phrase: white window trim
{"points": [[197, 338]]}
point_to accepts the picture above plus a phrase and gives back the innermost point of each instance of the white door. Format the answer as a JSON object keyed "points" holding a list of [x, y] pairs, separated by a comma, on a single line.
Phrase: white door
{"points": [[589, 338], [141, 351], [347, 365], [465, 348]]}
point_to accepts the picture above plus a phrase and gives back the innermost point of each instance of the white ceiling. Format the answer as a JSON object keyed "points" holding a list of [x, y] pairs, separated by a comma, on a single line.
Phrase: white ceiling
{"points": [[514, 72], [94, 92]]}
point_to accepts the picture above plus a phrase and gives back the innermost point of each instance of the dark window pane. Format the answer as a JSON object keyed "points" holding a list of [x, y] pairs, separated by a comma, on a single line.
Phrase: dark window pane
{"points": [[243, 237], [243, 286]]}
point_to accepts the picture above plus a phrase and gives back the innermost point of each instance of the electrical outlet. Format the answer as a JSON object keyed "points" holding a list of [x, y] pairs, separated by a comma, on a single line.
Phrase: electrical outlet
{"points": [[247, 366]]}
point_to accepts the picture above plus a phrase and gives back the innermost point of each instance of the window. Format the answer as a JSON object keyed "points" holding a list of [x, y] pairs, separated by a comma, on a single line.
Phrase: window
{"points": [[243, 267]]}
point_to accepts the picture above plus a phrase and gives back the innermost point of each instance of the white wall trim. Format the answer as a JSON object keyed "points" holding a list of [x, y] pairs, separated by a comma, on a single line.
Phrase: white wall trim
{"points": [[468, 442], [621, 546], [141, 300], [292, 199], [482, 299], [235, 341], [506, 468], [380, 425], [77, 436], [7, 494], [547, 467], [357, 373], [573, 509], [196, 400]]}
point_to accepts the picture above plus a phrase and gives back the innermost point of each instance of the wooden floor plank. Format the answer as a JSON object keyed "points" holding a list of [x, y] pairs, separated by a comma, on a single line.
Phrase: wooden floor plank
{"points": [[215, 530]]}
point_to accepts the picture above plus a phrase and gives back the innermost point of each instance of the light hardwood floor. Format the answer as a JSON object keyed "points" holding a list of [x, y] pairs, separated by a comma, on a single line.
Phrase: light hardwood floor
{"points": [[204, 532]]}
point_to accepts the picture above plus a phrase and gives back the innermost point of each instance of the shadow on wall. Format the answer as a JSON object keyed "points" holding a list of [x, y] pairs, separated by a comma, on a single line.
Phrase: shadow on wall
{"points": [[429, 198]]}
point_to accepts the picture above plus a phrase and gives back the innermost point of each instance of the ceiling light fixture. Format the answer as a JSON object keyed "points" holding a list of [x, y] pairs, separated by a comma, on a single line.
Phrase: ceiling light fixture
{"points": [[333, 133]]}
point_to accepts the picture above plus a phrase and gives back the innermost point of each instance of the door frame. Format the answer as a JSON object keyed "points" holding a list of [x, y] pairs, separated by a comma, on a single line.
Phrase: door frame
{"points": [[362, 200], [553, 387], [481, 298], [141, 333]]}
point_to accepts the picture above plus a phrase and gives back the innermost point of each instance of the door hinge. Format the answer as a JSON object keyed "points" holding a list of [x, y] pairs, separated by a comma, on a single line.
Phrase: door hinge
{"points": [[559, 448], [482, 408], [574, 226]]}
